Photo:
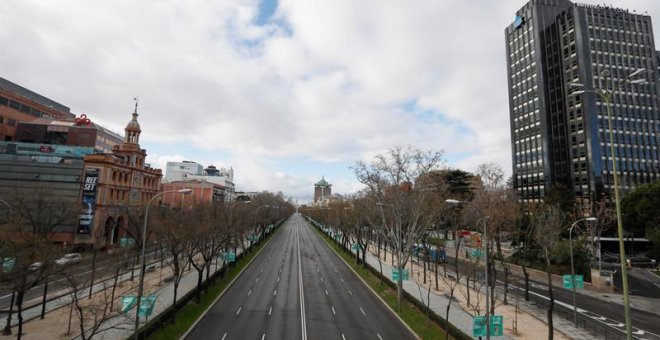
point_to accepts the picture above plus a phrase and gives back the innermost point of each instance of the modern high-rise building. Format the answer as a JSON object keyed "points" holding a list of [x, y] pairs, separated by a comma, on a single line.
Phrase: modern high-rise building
{"points": [[559, 129]]}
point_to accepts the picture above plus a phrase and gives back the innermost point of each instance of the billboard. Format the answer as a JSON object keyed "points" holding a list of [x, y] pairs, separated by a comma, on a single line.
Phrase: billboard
{"points": [[88, 201]]}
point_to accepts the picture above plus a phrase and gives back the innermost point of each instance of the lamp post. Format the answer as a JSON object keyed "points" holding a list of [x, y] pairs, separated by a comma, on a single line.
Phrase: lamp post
{"points": [[457, 202], [184, 191], [570, 238], [607, 96]]}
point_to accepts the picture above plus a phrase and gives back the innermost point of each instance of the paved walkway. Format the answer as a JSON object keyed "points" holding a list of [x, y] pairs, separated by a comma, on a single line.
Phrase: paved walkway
{"points": [[462, 319]]}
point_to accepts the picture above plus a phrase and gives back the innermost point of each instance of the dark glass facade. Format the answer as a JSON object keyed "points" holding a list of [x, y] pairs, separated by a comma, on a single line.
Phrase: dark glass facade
{"points": [[560, 135]]}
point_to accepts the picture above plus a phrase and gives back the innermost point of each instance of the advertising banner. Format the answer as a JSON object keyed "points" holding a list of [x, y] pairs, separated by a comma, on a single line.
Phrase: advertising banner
{"points": [[88, 201]]}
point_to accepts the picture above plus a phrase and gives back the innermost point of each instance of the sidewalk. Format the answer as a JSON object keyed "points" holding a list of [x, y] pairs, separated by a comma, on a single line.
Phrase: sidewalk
{"points": [[121, 326], [531, 321]]}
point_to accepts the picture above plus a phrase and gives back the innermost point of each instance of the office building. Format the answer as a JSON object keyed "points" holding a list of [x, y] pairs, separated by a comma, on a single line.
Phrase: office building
{"points": [[559, 130], [222, 179], [18, 104]]}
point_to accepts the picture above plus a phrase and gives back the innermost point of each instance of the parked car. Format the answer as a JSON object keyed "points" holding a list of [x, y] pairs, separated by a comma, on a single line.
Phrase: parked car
{"points": [[35, 266], [68, 259]]}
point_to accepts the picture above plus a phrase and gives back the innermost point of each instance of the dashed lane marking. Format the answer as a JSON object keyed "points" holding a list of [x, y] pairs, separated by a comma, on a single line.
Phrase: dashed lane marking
{"points": [[379, 337], [239, 310], [333, 311], [362, 310]]}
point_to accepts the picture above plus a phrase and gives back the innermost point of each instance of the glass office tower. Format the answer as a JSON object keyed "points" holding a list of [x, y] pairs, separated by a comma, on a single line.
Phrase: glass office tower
{"points": [[560, 132]]}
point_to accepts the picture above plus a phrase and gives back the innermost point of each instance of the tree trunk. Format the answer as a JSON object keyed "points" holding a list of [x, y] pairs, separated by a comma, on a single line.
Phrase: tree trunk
{"points": [[526, 275], [43, 300], [552, 302], [7, 329], [114, 287], [200, 275], [19, 313], [176, 288]]}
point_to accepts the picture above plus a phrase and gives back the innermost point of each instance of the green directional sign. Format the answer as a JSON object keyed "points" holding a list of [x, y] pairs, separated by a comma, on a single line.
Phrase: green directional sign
{"points": [[231, 257], [147, 304], [496, 325], [400, 274], [354, 246], [126, 242], [8, 264], [128, 302], [578, 279], [475, 252], [479, 326]]}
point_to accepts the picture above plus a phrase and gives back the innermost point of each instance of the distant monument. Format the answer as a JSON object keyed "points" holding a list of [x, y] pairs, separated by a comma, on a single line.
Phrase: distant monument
{"points": [[322, 191]]}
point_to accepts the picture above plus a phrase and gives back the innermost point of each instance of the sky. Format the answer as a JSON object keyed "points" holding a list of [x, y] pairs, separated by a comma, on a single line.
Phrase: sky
{"points": [[282, 91]]}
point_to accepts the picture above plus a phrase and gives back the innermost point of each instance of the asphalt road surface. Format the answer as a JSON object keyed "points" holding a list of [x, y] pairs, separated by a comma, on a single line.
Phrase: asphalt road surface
{"points": [[298, 288]]}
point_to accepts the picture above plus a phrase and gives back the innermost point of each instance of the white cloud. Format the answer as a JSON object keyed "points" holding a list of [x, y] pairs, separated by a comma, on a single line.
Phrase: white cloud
{"points": [[331, 86]]}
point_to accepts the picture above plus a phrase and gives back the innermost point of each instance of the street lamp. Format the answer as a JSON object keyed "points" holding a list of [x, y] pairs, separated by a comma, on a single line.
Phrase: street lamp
{"points": [[184, 191], [570, 238], [607, 96], [457, 202]]}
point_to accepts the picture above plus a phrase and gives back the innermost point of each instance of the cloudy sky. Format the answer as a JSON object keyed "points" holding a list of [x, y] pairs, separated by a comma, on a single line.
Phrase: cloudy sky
{"points": [[282, 91]]}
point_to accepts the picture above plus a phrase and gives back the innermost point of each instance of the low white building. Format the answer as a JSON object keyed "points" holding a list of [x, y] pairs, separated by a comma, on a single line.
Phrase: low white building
{"points": [[188, 171]]}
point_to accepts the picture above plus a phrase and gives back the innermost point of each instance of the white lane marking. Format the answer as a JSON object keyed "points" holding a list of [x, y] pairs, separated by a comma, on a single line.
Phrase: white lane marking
{"points": [[270, 310], [322, 280], [263, 336], [257, 280], [239, 310], [362, 310], [326, 292], [342, 336], [333, 310], [301, 290], [342, 280], [250, 292], [350, 293], [275, 292], [379, 337], [278, 279], [224, 336]]}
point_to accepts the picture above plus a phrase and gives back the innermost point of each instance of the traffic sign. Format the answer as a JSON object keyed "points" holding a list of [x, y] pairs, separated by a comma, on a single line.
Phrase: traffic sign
{"points": [[396, 275], [147, 304], [496, 325], [128, 302], [568, 283], [479, 326], [8, 264], [354, 246], [126, 242], [231, 257], [476, 252]]}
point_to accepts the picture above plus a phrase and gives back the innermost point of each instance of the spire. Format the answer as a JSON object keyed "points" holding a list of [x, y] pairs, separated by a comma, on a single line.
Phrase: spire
{"points": [[132, 129]]}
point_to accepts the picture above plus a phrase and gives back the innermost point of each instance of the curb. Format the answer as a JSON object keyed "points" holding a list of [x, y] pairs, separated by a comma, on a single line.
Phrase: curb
{"points": [[369, 287], [225, 290]]}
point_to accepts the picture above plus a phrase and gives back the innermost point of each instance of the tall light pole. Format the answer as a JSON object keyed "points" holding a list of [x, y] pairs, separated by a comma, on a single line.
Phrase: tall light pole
{"points": [[483, 217], [607, 95], [570, 238], [142, 262]]}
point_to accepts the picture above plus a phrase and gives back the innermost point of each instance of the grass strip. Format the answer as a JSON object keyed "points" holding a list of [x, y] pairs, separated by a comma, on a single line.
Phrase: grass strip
{"points": [[657, 272], [189, 314], [410, 314]]}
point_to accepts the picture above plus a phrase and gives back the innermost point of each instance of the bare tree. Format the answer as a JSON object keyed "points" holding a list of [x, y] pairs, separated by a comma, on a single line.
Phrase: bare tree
{"points": [[394, 179], [93, 315], [28, 241], [548, 226]]}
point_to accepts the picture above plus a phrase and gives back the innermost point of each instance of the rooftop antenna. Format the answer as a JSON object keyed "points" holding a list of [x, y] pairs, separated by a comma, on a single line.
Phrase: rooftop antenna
{"points": [[136, 99]]}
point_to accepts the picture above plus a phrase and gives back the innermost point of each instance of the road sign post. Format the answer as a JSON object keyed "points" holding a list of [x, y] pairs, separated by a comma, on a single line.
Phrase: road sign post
{"points": [[568, 281]]}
